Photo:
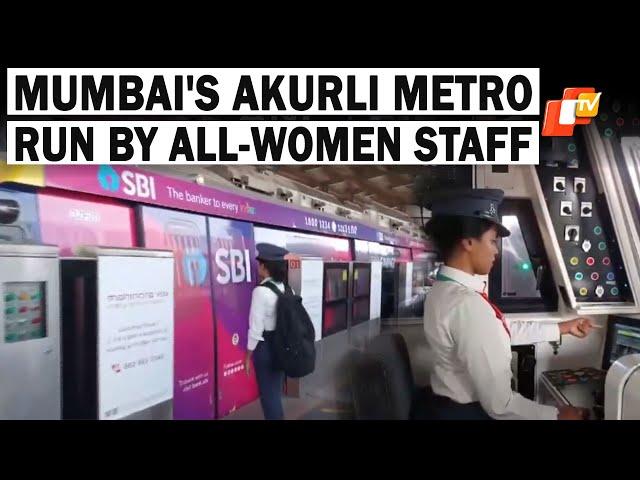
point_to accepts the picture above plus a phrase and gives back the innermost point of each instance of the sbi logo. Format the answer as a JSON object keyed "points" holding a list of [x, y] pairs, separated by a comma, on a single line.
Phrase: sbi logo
{"points": [[234, 265], [133, 184], [194, 268]]}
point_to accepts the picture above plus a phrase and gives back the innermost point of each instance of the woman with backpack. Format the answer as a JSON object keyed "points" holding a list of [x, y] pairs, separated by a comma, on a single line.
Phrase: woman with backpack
{"points": [[272, 268]]}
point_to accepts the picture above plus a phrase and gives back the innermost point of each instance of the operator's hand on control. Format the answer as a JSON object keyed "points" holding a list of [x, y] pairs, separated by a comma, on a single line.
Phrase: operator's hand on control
{"points": [[247, 363], [578, 327], [573, 413]]}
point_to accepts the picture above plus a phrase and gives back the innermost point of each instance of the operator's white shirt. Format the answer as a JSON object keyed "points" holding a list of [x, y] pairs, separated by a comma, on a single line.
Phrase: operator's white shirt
{"points": [[472, 349]]}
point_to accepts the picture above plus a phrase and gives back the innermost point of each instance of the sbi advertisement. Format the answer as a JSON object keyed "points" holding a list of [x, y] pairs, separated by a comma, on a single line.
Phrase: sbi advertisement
{"points": [[186, 235], [234, 273]]}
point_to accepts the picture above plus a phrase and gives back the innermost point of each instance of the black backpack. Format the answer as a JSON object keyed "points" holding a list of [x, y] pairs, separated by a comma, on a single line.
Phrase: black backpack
{"points": [[293, 341]]}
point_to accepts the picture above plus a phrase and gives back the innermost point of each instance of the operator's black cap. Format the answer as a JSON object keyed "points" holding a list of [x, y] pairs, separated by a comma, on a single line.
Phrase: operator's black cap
{"points": [[469, 202], [270, 252]]}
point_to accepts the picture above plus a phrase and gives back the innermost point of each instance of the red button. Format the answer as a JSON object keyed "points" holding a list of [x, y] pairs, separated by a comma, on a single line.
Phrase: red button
{"points": [[595, 276], [591, 261], [606, 260]]}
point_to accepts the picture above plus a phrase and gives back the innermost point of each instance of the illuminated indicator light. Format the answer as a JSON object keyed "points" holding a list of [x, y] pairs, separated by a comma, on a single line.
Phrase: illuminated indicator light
{"points": [[597, 230], [579, 276], [615, 291], [606, 261], [591, 261], [9, 311], [23, 309], [602, 246], [595, 276], [525, 267], [25, 296], [583, 291], [572, 147], [574, 261], [9, 297], [608, 132]]}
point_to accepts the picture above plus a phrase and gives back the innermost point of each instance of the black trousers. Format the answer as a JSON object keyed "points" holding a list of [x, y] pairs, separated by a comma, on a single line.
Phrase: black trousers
{"points": [[270, 381], [443, 408]]}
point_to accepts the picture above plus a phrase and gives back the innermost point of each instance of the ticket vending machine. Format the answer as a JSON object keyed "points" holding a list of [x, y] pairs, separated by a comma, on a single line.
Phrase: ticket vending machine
{"points": [[118, 324], [30, 385]]}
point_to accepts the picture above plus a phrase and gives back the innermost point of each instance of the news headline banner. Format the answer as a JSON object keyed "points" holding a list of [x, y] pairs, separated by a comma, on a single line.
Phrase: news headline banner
{"points": [[323, 116]]}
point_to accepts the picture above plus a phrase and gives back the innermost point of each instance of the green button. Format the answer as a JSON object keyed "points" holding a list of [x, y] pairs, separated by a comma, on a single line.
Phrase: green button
{"points": [[572, 147], [9, 297], [579, 276], [608, 132], [615, 291], [9, 311], [597, 230], [35, 296], [602, 246]]}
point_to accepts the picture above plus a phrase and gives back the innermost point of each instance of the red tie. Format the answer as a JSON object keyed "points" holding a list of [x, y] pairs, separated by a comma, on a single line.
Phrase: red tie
{"points": [[499, 314]]}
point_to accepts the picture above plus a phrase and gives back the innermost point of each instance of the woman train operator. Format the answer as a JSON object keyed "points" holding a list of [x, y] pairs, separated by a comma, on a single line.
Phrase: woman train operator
{"points": [[470, 337]]}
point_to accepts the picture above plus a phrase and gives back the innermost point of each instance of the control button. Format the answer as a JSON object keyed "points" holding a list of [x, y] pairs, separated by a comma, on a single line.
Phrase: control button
{"points": [[579, 276], [586, 209], [611, 276], [595, 276], [599, 291], [586, 246], [558, 184], [572, 233], [591, 261], [584, 291], [615, 291], [572, 147], [573, 163], [602, 246], [574, 261], [579, 185], [606, 261], [597, 230]]}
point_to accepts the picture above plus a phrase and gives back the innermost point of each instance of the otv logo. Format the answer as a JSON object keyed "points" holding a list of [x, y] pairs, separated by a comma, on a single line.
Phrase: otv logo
{"points": [[133, 184], [577, 107]]}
